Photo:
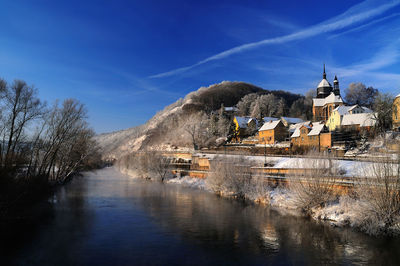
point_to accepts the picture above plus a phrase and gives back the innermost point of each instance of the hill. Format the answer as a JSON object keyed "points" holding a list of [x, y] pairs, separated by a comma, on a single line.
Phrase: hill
{"points": [[166, 129]]}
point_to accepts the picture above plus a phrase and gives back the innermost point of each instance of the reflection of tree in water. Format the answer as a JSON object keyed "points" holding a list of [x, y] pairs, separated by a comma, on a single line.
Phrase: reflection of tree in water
{"points": [[61, 237], [222, 224]]}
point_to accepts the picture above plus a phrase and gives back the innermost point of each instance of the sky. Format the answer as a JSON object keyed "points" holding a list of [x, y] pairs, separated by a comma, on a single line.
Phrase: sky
{"points": [[126, 60]]}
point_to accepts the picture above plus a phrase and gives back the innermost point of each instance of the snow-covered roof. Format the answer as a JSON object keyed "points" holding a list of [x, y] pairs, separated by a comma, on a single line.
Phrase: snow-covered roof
{"points": [[270, 125], [296, 133], [319, 101], [267, 119], [343, 110], [366, 109], [324, 83], [398, 96], [292, 120], [364, 120], [316, 129], [293, 127], [231, 109], [332, 98], [243, 121]]}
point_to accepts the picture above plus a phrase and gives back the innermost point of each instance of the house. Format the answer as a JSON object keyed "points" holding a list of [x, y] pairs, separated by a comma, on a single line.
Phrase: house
{"points": [[272, 132], [396, 113], [287, 121], [300, 135], [328, 98], [308, 137], [358, 122], [244, 126], [268, 119], [227, 111], [293, 127], [231, 109], [334, 121]]}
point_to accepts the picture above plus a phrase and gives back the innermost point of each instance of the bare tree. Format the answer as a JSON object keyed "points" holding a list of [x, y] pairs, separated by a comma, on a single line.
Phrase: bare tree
{"points": [[313, 184], [379, 192], [21, 106], [160, 165], [358, 93], [244, 104], [230, 176], [197, 128], [264, 105], [282, 108], [383, 112], [66, 141]]}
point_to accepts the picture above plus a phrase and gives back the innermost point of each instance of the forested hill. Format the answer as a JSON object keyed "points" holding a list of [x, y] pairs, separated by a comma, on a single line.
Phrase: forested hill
{"points": [[166, 129], [230, 93]]}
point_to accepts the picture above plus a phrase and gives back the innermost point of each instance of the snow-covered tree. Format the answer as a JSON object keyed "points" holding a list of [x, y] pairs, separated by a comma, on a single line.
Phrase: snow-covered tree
{"points": [[264, 105], [244, 104], [282, 108], [358, 93]]}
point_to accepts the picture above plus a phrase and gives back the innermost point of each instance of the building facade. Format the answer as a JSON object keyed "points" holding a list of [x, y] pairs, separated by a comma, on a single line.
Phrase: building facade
{"points": [[272, 132], [328, 98], [396, 113], [315, 137], [334, 121]]}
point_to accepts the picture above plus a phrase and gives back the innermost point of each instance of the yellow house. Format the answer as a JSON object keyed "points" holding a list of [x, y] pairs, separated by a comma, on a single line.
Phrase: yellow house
{"points": [[396, 112], [272, 132], [335, 119], [241, 126]]}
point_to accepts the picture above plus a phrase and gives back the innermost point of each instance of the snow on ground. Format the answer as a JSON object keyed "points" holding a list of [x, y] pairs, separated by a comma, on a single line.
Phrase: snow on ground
{"points": [[349, 168], [188, 181], [258, 159], [281, 198], [346, 211]]}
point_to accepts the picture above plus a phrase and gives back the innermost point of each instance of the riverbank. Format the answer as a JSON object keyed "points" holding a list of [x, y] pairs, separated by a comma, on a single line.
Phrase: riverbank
{"points": [[109, 218], [343, 211]]}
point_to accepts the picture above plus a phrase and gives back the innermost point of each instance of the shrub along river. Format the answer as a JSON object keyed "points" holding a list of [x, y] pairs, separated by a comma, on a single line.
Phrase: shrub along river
{"points": [[106, 218]]}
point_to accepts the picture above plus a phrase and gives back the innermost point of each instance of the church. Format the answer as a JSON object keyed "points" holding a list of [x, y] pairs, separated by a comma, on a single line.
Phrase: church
{"points": [[328, 98]]}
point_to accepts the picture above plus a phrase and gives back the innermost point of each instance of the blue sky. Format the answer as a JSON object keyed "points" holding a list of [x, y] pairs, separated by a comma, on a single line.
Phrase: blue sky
{"points": [[126, 60]]}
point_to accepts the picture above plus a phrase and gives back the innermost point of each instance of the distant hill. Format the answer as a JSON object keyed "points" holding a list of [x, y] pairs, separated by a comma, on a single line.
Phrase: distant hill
{"points": [[166, 128]]}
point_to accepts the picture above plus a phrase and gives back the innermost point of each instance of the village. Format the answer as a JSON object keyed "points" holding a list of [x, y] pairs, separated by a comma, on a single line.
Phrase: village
{"points": [[336, 127]]}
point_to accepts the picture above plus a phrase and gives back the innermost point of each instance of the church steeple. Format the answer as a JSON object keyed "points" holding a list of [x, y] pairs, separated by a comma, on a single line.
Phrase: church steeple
{"points": [[324, 87], [336, 89]]}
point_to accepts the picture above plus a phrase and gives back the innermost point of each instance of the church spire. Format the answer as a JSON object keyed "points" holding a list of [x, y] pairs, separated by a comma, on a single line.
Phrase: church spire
{"points": [[324, 75], [336, 89]]}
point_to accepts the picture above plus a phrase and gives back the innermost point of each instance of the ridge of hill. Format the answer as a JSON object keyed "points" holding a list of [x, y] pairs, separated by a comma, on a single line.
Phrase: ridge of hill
{"points": [[166, 128]]}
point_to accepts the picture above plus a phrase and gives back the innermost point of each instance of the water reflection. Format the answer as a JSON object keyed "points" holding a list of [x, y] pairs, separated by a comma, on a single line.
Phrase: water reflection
{"points": [[110, 219]]}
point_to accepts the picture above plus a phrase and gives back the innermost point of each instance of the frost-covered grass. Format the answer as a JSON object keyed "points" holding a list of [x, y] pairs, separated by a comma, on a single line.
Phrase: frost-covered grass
{"points": [[188, 181]]}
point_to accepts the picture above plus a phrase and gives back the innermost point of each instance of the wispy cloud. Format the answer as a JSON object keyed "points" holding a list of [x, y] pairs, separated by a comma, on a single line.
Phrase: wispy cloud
{"points": [[358, 13], [365, 25], [386, 57]]}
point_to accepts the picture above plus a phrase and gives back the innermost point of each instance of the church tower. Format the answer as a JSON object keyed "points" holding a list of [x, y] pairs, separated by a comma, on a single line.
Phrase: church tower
{"points": [[324, 87], [336, 89]]}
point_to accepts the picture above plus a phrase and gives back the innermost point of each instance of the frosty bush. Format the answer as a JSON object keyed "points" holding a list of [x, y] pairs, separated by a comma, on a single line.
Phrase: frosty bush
{"points": [[149, 164], [234, 177], [313, 186], [379, 193]]}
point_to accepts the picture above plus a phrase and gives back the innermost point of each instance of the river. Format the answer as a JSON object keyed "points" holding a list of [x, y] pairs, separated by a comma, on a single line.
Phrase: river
{"points": [[106, 218]]}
